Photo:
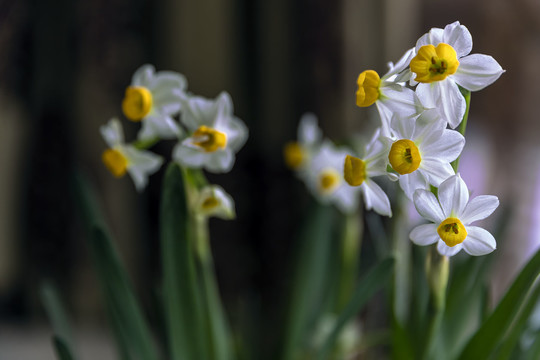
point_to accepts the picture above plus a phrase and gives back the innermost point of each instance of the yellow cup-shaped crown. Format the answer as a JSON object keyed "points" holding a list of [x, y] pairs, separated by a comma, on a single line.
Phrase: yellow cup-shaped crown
{"points": [[115, 161], [434, 63], [368, 88], [354, 170], [137, 103], [210, 139], [452, 231], [404, 156]]}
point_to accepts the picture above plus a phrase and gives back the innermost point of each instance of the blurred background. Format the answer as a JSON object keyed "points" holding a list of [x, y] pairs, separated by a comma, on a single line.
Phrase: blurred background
{"points": [[64, 66]]}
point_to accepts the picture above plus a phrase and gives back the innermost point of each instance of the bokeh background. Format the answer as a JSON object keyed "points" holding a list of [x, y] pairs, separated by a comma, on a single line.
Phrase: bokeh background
{"points": [[64, 66]]}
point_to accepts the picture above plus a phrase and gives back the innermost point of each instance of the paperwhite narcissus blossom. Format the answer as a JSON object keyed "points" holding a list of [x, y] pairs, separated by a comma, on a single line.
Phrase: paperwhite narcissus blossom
{"points": [[324, 178], [216, 134], [212, 200], [388, 92], [121, 158], [442, 62], [422, 151], [154, 98], [451, 216], [297, 154], [358, 172]]}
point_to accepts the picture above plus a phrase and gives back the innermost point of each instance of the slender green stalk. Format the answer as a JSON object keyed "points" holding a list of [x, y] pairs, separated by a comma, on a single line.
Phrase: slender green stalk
{"points": [[145, 144], [463, 125]]}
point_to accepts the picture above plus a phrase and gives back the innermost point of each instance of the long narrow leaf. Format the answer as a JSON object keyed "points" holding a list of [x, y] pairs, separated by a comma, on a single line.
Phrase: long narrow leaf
{"points": [[181, 295], [494, 328], [378, 277], [63, 351]]}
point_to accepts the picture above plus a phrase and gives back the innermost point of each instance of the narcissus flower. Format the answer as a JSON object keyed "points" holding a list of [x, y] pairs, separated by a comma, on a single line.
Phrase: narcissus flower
{"points": [[324, 177], [422, 151], [442, 62], [451, 216], [298, 153], [388, 92], [215, 134], [121, 158], [212, 200], [358, 172], [154, 98]]}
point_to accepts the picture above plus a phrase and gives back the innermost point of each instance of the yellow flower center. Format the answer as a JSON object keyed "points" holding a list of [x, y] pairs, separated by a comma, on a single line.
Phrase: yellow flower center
{"points": [[210, 139], [329, 179], [354, 170], [209, 203], [434, 63], [452, 231], [294, 155], [368, 88], [404, 156], [115, 161], [137, 103]]}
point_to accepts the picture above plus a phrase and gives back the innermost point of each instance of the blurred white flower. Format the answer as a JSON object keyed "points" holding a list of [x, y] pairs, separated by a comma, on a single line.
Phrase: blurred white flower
{"points": [[442, 62], [297, 154], [121, 158], [154, 98], [451, 216], [212, 200], [358, 172], [422, 151], [389, 93], [216, 134]]}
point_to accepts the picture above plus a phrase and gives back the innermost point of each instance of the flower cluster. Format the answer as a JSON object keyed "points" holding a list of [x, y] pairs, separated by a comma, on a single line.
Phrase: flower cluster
{"points": [[420, 101], [207, 134]]}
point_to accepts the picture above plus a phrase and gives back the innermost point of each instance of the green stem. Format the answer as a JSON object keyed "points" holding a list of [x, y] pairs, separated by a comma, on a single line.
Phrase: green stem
{"points": [[145, 144], [463, 125]]}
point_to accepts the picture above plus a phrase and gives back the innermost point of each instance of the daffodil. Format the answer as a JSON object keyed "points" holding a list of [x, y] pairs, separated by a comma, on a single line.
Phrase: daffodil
{"points": [[298, 153], [422, 150], [450, 216], [389, 93], [324, 178], [358, 172], [442, 62], [154, 98], [120, 158], [212, 200], [215, 134]]}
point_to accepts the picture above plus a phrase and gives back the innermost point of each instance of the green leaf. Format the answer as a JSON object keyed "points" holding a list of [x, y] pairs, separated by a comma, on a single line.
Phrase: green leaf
{"points": [[376, 278], [491, 332], [132, 333], [59, 320], [308, 287], [63, 351], [187, 338]]}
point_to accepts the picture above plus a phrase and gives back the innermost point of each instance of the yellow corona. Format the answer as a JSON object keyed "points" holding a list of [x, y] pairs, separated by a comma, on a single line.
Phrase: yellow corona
{"points": [[212, 139], [354, 170], [434, 63], [115, 161], [368, 88], [452, 231], [137, 103], [404, 156]]}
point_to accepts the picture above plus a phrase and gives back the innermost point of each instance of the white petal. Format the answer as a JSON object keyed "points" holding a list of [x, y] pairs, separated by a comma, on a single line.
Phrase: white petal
{"points": [[401, 100], [236, 131], [427, 132], [453, 196], [424, 234], [345, 198], [188, 156], [112, 133], [143, 76], [436, 171], [479, 208], [198, 111], [141, 165], [434, 36], [459, 37], [375, 198], [224, 209], [220, 161], [479, 241], [477, 71], [447, 148], [403, 127], [402, 63], [385, 114], [309, 132], [411, 182], [450, 102], [428, 206], [447, 250], [167, 81], [427, 95], [163, 127]]}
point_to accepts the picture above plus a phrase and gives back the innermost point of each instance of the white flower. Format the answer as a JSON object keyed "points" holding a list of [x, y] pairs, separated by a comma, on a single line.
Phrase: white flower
{"points": [[442, 63], [422, 151], [324, 178], [358, 172], [216, 135], [388, 92], [451, 216], [154, 98], [121, 158], [212, 200], [297, 154]]}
